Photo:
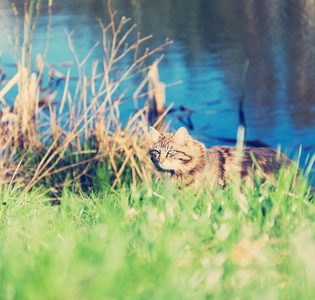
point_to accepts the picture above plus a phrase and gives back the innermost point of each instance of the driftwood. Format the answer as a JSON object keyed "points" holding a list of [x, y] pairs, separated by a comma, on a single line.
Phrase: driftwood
{"points": [[156, 95]]}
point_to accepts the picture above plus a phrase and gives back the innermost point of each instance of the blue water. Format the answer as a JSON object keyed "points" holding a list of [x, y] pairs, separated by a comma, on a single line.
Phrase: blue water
{"points": [[212, 41]]}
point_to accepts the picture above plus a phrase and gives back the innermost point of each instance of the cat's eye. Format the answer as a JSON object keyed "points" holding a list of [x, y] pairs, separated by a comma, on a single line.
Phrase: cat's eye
{"points": [[171, 152], [157, 152]]}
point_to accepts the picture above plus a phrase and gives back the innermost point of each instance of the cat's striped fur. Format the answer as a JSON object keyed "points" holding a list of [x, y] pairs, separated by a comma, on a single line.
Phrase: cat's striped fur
{"points": [[188, 162]]}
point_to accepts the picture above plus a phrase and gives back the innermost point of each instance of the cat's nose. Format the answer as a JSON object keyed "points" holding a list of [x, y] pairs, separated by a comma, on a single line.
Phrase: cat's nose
{"points": [[162, 159]]}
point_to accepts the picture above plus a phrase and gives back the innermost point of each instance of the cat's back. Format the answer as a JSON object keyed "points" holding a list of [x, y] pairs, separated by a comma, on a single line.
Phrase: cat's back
{"points": [[261, 154], [225, 161]]}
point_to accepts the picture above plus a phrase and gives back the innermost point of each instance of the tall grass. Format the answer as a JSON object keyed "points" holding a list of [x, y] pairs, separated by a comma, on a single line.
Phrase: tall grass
{"points": [[153, 242], [68, 145], [147, 241]]}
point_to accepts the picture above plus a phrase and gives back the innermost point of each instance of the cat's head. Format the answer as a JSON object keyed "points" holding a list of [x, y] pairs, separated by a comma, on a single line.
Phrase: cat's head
{"points": [[171, 151]]}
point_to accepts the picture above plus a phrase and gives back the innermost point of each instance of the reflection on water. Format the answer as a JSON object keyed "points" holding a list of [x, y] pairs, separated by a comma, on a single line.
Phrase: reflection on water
{"points": [[212, 40]]}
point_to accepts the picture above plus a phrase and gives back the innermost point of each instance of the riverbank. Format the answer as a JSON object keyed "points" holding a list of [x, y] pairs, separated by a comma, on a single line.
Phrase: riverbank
{"points": [[58, 137], [83, 217]]}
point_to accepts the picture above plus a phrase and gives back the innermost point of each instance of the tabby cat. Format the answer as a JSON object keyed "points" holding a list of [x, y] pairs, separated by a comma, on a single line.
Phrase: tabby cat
{"points": [[188, 162]]}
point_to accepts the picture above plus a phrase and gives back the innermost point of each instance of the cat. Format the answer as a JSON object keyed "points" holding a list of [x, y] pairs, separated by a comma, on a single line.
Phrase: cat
{"points": [[189, 163]]}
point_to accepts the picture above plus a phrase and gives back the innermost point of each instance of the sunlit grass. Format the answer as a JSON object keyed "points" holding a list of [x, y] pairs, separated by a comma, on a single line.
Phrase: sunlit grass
{"points": [[154, 242], [115, 234]]}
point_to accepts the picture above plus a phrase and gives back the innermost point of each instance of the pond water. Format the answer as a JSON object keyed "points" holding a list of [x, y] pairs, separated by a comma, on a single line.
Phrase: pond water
{"points": [[212, 41]]}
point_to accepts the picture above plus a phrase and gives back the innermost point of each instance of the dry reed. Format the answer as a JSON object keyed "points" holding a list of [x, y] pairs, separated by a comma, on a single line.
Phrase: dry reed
{"points": [[87, 127]]}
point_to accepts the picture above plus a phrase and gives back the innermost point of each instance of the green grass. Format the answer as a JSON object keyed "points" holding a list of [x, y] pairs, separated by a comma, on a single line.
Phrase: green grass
{"points": [[157, 243], [134, 242]]}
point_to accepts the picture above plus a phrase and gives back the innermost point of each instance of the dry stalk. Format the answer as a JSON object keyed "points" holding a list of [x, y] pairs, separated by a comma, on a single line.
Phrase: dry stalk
{"points": [[94, 111]]}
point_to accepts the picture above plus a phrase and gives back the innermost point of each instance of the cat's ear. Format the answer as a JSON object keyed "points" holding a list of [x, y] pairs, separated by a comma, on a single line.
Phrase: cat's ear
{"points": [[154, 134], [182, 136]]}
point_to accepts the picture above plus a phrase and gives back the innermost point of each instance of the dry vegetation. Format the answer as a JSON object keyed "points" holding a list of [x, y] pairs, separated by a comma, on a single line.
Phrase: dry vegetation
{"points": [[56, 145], [135, 242]]}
